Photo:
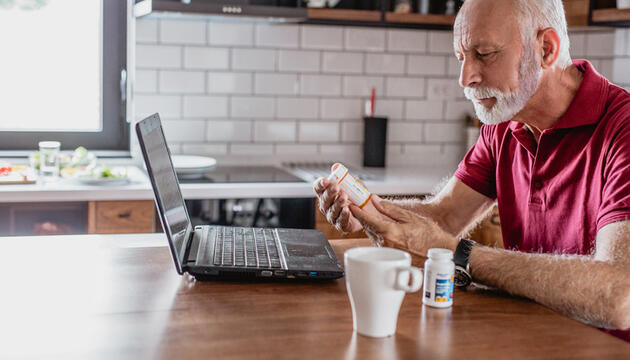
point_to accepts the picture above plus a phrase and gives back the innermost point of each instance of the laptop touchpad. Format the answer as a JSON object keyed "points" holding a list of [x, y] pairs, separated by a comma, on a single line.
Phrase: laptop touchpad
{"points": [[306, 250]]}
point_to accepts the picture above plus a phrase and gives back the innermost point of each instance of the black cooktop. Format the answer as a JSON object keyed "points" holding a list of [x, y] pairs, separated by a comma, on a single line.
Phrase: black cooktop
{"points": [[241, 174]]}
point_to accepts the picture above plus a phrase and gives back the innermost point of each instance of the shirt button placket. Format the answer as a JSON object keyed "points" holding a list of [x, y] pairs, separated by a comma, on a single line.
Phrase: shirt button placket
{"points": [[536, 197]]}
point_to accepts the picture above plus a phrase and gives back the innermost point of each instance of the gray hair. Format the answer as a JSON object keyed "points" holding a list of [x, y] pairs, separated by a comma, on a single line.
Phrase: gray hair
{"points": [[534, 15]]}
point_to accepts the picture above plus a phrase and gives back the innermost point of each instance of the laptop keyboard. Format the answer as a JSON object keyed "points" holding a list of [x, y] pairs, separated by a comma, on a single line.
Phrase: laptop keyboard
{"points": [[246, 247]]}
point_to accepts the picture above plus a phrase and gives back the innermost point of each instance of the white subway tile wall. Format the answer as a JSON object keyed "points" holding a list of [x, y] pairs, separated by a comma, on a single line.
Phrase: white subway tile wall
{"points": [[298, 61], [406, 41], [600, 44], [182, 32], [276, 84], [277, 36], [322, 37], [342, 62], [621, 63], [182, 82], [206, 58], [364, 39], [229, 83], [228, 34], [205, 106], [325, 85], [297, 92]]}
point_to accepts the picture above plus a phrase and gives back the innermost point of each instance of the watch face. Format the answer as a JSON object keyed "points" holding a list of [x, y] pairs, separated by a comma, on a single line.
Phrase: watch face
{"points": [[462, 278]]}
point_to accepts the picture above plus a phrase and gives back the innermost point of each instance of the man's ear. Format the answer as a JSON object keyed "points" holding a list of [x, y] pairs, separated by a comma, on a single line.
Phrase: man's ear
{"points": [[549, 43]]}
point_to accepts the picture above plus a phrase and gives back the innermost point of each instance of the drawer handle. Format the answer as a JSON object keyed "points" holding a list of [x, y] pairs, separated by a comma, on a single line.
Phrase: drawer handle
{"points": [[124, 215]]}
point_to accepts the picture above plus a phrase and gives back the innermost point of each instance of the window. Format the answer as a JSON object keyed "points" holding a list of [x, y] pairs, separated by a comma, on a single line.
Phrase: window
{"points": [[61, 74]]}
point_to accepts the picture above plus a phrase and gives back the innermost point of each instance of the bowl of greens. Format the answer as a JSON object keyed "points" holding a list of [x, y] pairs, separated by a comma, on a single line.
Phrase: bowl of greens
{"points": [[103, 175]]}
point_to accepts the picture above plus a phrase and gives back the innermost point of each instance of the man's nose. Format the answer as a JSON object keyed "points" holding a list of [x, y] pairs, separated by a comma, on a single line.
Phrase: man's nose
{"points": [[469, 74]]}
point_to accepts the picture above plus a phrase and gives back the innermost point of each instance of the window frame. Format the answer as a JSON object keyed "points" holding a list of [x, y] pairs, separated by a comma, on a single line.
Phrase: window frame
{"points": [[114, 138]]}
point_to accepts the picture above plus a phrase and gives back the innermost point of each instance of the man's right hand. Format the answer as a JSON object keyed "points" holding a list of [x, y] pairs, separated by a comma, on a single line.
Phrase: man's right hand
{"points": [[334, 204]]}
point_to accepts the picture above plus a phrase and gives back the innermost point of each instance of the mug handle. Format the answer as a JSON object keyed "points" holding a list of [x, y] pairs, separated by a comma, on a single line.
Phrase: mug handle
{"points": [[416, 279]]}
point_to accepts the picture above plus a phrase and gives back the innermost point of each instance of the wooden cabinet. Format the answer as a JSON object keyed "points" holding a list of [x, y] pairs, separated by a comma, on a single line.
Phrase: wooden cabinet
{"points": [[66, 218], [118, 217], [489, 230]]}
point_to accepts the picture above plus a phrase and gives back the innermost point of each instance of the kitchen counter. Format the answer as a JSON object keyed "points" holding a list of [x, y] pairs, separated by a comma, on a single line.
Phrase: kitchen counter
{"points": [[387, 181]]}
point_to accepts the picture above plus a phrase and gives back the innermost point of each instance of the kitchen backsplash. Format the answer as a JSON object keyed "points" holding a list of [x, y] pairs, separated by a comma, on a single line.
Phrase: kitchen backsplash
{"points": [[242, 91]]}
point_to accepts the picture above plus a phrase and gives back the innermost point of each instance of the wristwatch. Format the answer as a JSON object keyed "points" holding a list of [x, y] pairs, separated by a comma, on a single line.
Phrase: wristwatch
{"points": [[462, 267]]}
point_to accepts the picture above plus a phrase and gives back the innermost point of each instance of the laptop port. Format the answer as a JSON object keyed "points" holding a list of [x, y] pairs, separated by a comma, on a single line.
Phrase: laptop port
{"points": [[313, 273], [280, 273], [302, 274], [266, 273]]}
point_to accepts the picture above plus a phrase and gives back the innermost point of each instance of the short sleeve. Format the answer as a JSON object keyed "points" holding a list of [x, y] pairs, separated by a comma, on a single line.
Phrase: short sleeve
{"points": [[478, 168], [615, 205]]}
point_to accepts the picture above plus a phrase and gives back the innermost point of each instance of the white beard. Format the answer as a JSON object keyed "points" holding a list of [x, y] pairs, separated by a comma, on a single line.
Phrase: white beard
{"points": [[508, 104]]}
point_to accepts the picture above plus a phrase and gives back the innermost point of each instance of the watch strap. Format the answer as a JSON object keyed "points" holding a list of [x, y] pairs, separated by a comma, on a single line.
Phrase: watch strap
{"points": [[462, 253]]}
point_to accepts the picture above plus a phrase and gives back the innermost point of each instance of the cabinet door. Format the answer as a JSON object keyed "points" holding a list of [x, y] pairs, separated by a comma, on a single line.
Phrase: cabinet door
{"points": [[118, 217], [48, 218]]}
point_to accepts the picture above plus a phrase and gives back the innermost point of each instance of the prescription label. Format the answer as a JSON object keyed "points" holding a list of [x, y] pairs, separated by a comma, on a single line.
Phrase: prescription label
{"points": [[444, 290]]}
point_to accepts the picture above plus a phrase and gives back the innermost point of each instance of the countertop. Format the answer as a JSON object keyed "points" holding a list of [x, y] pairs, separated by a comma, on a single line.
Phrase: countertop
{"points": [[386, 181]]}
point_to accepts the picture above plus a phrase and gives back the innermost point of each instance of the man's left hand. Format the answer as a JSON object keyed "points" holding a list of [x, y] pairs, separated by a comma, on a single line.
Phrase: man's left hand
{"points": [[408, 230]]}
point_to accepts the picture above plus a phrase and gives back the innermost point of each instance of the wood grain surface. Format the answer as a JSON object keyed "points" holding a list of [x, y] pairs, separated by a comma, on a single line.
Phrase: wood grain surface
{"points": [[77, 298], [120, 217], [604, 15], [343, 14]]}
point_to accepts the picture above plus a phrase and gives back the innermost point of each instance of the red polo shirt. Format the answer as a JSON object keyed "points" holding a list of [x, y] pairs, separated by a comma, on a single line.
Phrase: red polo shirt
{"points": [[554, 196]]}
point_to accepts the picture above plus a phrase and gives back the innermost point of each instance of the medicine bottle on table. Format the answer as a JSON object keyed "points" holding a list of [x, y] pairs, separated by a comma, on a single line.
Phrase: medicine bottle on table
{"points": [[439, 273]]}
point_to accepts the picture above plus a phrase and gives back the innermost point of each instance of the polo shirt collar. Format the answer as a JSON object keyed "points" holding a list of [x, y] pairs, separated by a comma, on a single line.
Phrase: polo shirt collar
{"points": [[589, 103]]}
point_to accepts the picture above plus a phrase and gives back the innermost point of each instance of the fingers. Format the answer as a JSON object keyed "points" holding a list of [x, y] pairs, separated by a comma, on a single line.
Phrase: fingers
{"points": [[335, 209], [328, 197], [320, 185], [393, 211], [370, 220], [343, 221]]}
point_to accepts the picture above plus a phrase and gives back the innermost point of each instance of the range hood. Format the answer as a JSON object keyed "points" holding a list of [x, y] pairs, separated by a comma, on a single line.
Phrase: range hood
{"points": [[243, 10]]}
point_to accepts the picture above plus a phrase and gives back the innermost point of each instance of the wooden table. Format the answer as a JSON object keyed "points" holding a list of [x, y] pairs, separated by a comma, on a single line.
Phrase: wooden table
{"points": [[119, 297]]}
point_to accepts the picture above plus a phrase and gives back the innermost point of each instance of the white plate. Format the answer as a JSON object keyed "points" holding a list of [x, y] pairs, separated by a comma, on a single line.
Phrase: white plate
{"points": [[102, 181], [193, 164]]}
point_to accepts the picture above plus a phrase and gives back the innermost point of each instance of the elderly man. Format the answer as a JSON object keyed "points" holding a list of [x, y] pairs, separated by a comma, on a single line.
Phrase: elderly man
{"points": [[554, 153]]}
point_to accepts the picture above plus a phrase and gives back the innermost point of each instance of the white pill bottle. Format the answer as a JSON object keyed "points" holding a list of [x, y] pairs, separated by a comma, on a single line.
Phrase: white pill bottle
{"points": [[439, 273]]}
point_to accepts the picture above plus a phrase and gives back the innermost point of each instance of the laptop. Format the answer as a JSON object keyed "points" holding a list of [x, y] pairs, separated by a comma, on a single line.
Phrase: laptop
{"points": [[209, 251]]}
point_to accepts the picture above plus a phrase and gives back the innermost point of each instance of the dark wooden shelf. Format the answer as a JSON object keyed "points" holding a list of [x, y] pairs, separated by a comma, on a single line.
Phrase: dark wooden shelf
{"points": [[610, 16], [432, 19], [378, 19], [344, 15]]}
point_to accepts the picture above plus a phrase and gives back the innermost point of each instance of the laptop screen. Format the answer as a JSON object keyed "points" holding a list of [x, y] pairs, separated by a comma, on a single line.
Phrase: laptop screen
{"points": [[168, 196]]}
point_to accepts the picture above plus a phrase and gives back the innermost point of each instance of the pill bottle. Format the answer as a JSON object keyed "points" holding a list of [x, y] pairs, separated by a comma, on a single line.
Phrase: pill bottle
{"points": [[439, 272], [357, 193]]}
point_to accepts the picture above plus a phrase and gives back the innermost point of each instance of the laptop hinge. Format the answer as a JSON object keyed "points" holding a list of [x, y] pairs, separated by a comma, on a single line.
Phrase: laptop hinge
{"points": [[189, 242]]}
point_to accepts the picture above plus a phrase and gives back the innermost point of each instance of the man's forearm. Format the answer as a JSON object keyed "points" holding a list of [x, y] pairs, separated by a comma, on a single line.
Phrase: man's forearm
{"points": [[591, 291], [433, 209], [425, 208]]}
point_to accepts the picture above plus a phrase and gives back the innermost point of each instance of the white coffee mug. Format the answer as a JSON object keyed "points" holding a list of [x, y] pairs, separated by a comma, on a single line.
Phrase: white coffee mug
{"points": [[377, 279]]}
